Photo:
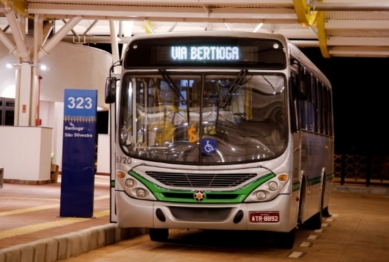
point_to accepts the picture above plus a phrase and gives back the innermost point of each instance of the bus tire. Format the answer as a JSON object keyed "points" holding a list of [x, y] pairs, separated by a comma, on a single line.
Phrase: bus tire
{"points": [[301, 202], [325, 213], [158, 234], [286, 240], [314, 222]]}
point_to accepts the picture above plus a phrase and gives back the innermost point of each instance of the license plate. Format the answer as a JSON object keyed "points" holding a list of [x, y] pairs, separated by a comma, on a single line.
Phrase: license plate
{"points": [[264, 217]]}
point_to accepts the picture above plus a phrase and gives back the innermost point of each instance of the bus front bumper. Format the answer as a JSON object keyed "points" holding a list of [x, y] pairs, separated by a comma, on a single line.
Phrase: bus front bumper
{"points": [[278, 215]]}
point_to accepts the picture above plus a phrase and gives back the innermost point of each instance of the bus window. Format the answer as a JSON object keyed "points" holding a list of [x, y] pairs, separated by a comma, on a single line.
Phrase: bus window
{"points": [[303, 99], [329, 112], [315, 113], [321, 106], [294, 105]]}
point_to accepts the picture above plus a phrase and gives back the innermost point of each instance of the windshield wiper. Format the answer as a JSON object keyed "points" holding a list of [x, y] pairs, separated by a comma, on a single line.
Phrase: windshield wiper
{"points": [[227, 97], [175, 89], [237, 82], [172, 85]]}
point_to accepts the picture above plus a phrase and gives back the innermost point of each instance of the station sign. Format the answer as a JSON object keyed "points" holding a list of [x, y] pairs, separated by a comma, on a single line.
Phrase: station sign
{"points": [[78, 156]]}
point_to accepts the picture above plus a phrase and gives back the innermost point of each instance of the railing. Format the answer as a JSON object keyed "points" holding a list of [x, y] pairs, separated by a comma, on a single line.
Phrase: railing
{"points": [[361, 169]]}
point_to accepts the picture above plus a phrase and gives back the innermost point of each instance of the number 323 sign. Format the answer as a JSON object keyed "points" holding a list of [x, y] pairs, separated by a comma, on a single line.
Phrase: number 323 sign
{"points": [[80, 102]]}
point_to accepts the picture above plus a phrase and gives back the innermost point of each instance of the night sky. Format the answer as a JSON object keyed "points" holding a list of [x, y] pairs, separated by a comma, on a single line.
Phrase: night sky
{"points": [[361, 104]]}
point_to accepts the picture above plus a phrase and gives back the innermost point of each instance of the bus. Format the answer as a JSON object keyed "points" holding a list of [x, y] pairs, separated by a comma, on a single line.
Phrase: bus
{"points": [[219, 131]]}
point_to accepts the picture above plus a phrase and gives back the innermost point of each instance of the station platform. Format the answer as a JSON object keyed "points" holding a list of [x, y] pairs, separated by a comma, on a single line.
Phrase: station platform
{"points": [[31, 229]]}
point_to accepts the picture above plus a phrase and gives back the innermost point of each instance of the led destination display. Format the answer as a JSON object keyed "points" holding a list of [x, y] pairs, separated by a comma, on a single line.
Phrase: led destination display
{"points": [[212, 52], [201, 53]]}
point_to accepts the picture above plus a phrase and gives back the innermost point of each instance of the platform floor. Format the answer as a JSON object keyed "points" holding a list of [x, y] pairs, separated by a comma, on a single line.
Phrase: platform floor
{"points": [[29, 213]]}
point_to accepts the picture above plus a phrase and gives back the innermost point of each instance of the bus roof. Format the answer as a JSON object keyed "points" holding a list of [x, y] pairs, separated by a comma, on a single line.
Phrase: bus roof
{"points": [[300, 56], [291, 48], [278, 37]]}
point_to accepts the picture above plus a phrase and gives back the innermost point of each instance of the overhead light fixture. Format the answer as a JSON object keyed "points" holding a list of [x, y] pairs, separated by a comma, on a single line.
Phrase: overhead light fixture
{"points": [[12, 65], [258, 27]]}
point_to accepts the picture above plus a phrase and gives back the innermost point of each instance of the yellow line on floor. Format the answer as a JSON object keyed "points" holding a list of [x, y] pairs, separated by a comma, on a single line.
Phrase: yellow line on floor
{"points": [[101, 197], [31, 198], [32, 209], [26, 210], [38, 227]]}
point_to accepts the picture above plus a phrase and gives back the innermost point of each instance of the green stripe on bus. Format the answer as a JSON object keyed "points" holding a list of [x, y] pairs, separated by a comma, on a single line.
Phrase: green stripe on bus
{"points": [[211, 197], [329, 177], [314, 181], [112, 183]]}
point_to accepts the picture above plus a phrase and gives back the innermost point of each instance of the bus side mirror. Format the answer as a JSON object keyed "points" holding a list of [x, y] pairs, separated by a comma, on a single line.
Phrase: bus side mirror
{"points": [[110, 90]]}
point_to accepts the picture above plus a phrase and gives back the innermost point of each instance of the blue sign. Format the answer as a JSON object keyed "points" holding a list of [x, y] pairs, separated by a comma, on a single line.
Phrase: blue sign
{"points": [[78, 154], [208, 146]]}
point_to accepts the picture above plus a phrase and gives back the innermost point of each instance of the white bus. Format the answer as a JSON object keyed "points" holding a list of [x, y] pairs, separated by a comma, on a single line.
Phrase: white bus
{"points": [[221, 131]]}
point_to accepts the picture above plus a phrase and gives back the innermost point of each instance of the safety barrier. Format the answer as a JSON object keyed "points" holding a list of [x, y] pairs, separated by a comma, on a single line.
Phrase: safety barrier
{"points": [[361, 169]]}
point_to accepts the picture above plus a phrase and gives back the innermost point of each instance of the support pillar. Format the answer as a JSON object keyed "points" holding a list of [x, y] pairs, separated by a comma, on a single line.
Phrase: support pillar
{"points": [[114, 43], [24, 98], [127, 27], [35, 97]]}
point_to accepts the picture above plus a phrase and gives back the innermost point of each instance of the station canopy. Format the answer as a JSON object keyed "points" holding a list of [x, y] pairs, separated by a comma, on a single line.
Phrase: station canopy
{"points": [[340, 28]]}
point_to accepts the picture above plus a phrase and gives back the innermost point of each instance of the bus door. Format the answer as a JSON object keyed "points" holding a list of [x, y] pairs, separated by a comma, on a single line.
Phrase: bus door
{"points": [[111, 98], [294, 87], [113, 215]]}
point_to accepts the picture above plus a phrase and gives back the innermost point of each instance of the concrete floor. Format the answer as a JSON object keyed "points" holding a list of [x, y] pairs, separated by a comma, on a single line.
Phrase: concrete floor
{"points": [[358, 231], [29, 218]]}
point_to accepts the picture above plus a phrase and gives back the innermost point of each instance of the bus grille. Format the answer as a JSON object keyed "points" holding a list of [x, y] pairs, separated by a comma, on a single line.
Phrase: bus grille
{"points": [[200, 214], [201, 180]]}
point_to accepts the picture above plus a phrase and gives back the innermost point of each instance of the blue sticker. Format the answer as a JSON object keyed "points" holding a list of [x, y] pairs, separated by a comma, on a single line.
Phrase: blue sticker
{"points": [[208, 146]]}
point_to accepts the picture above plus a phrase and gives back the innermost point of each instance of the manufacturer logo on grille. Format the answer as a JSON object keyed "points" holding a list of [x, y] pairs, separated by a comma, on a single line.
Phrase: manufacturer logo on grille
{"points": [[199, 195]]}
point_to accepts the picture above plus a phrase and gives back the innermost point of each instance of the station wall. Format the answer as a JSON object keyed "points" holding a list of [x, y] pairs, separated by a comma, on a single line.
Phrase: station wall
{"points": [[68, 66]]}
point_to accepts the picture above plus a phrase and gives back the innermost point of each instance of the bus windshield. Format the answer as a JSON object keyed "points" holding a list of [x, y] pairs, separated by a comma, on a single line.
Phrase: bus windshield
{"points": [[209, 118]]}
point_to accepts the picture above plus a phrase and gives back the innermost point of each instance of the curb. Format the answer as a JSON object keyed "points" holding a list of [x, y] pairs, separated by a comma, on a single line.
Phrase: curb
{"points": [[68, 245]]}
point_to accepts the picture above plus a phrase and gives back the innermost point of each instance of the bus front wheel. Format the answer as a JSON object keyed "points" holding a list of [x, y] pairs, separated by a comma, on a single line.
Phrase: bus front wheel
{"points": [[158, 234], [314, 222], [286, 240]]}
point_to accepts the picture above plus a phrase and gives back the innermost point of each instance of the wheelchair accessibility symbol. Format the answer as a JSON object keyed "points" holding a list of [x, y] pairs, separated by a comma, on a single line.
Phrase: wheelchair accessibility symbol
{"points": [[208, 146]]}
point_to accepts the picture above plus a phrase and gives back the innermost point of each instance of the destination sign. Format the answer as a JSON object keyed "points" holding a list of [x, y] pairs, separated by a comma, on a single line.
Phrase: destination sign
{"points": [[200, 53], [211, 52]]}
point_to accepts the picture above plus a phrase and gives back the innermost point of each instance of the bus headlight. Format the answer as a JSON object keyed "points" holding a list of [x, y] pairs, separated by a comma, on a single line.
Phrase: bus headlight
{"points": [[273, 185], [268, 190], [261, 195], [133, 187], [129, 182], [141, 193]]}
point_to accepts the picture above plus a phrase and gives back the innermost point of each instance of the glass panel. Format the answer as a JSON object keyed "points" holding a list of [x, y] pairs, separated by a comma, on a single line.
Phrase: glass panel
{"points": [[203, 118], [10, 103], [9, 117]]}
